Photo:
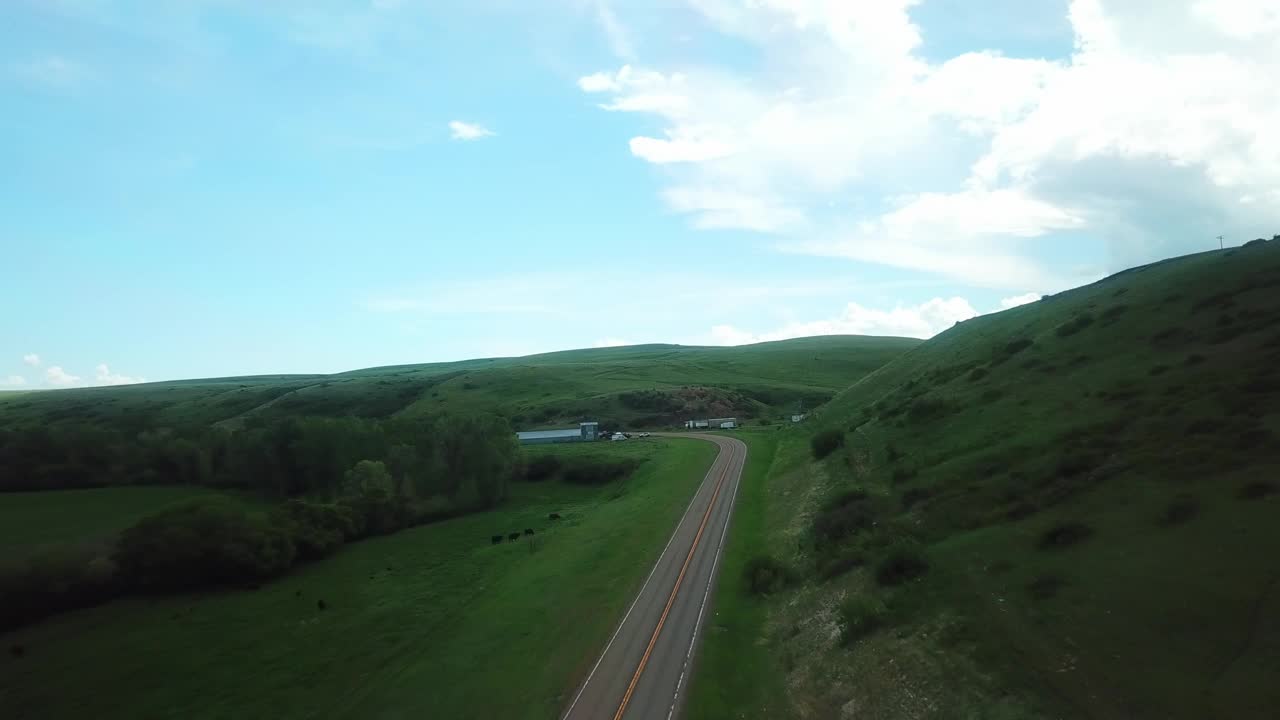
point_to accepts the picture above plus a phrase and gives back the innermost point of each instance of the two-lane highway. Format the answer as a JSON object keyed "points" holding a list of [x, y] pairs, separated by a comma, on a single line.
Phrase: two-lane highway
{"points": [[644, 670]]}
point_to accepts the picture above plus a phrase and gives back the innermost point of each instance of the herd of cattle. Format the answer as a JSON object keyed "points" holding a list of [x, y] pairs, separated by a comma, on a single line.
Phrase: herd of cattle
{"points": [[512, 537]]}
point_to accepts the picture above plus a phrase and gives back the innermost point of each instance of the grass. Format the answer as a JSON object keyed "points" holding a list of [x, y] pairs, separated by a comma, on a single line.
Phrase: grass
{"points": [[434, 620], [734, 675], [1096, 513], [35, 518], [647, 385]]}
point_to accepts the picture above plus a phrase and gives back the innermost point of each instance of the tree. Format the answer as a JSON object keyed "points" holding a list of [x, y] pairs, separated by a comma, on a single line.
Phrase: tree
{"points": [[369, 478]]}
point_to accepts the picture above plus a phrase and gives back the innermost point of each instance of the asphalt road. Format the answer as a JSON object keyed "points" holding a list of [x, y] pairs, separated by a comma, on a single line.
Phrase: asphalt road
{"points": [[644, 670]]}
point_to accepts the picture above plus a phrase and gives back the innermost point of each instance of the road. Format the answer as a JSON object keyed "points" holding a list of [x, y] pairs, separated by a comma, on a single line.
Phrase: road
{"points": [[645, 668]]}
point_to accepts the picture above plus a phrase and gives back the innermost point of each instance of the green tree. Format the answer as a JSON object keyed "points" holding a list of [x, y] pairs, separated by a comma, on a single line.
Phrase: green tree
{"points": [[369, 478]]}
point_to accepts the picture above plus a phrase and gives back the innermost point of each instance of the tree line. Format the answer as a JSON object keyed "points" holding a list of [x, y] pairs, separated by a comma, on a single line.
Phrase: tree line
{"points": [[465, 459], [339, 480]]}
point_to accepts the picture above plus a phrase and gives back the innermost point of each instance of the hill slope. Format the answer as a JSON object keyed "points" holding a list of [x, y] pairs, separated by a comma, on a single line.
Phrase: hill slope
{"points": [[640, 385], [1091, 483]]}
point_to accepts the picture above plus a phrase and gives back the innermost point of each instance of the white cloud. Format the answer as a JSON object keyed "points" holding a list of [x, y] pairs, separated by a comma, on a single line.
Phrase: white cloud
{"points": [[920, 321], [459, 130], [31, 359], [619, 38], [102, 375], [58, 377], [1017, 300], [14, 381], [1157, 132]]}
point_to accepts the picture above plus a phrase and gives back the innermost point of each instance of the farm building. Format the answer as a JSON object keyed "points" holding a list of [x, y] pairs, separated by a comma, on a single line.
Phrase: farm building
{"points": [[721, 423], [586, 431]]}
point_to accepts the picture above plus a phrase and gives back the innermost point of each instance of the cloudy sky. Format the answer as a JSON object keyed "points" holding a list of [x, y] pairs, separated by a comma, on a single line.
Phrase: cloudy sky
{"points": [[218, 187]]}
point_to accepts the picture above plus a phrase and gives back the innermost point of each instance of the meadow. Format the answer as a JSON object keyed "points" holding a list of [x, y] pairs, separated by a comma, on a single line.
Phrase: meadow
{"points": [[432, 620], [1067, 509]]}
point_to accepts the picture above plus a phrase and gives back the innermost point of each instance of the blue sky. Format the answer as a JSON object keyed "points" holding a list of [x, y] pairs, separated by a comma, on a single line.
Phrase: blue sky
{"points": [[220, 187]]}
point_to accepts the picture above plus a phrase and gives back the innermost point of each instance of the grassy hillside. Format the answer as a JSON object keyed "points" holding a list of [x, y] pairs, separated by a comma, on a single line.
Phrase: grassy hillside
{"points": [[641, 385], [1067, 509], [433, 621]]}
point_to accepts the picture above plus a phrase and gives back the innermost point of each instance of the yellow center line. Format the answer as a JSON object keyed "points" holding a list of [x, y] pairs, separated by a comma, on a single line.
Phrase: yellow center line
{"points": [[679, 579]]}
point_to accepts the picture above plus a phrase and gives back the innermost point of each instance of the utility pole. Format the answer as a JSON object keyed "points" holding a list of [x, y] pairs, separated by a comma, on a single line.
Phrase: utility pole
{"points": [[1220, 246]]}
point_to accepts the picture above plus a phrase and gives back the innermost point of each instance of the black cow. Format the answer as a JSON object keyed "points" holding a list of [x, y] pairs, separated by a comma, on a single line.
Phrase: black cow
{"points": [[513, 537], [496, 539], [320, 605], [553, 516], [528, 531]]}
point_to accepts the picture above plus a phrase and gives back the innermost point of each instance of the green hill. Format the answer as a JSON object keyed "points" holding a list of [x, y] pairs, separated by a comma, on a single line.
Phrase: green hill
{"points": [[643, 385], [1067, 509]]}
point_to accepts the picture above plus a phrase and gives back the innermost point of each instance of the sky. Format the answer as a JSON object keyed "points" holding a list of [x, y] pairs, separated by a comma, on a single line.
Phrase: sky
{"points": [[206, 188]]}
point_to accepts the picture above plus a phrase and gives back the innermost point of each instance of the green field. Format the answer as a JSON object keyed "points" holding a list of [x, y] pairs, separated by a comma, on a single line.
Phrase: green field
{"points": [[433, 621], [1093, 481], [35, 518], [648, 385]]}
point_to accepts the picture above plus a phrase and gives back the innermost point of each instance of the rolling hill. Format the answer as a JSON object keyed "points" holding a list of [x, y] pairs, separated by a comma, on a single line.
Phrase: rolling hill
{"points": [[646, 385], [1067, 509]]}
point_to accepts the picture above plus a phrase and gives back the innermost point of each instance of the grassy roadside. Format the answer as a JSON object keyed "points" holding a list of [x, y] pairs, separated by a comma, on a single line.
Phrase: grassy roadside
{"points": [[433, 620], [734, 677]]}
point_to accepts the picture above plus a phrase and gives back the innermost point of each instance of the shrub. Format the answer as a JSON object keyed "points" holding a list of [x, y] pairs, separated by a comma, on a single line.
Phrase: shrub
{"points": [[1194, 359], [1064, 535], [926, 410], [1181, 509], [977, 374], [992, 395], [765, 575], [913, 496], [201, 543], [315, 529], [861, 615], [375, 514], [1256, 490], [834, 564], [904, 560], [846, 515], [542, 467], [903, 473], [54, 579], [1158, 369], [1044, 587], [893, 453], [826, 442], [598, 472], [1074, 325]]}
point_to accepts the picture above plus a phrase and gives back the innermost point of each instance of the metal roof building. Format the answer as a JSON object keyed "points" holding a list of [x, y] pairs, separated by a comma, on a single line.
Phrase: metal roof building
{"points": [[585, 431]]}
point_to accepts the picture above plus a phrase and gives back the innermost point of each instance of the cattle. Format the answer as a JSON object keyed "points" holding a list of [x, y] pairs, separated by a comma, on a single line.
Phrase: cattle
{"points": [[553, 516], [17, 650], [297, 593], [320, 605], [513, 537], [495, 539], [528, 531]]}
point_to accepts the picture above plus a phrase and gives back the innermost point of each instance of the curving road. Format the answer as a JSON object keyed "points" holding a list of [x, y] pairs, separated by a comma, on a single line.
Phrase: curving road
{"points": [[644, 671]]}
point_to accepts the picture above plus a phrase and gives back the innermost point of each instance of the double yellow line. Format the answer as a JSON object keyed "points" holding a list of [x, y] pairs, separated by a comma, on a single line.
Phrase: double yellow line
{"points": [[679, 579]]}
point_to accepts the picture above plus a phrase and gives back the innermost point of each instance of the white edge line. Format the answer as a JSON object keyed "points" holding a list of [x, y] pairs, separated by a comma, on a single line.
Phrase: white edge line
{"points": [[670, 540], [711, 580]]}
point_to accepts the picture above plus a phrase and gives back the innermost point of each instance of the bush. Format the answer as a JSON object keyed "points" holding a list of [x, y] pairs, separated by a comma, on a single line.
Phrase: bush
{"points": [[315, 529], [861, 615], [977, 374], [1256, 490], [834, 564], [201, 543], [929, 409], [913, 496], [902, 473], [1181, 509], [599, 472], [54, 579], [1074, 325], [374, 514], [904, 560], [542, 467], [765, 575], [1064, 535], [826, 442], [846, 515]]}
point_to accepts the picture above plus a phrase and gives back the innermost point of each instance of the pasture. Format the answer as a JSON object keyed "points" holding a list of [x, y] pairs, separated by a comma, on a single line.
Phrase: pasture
{"points": [[432, 621]]}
